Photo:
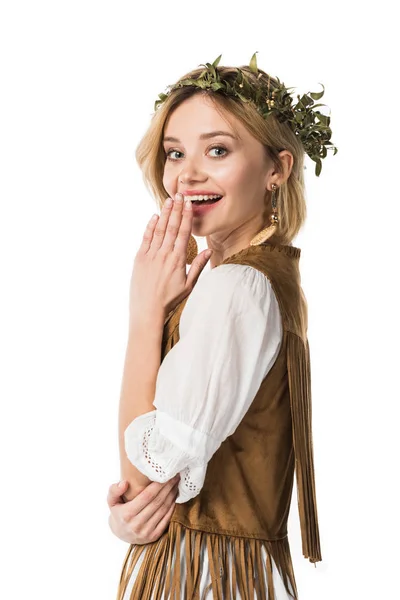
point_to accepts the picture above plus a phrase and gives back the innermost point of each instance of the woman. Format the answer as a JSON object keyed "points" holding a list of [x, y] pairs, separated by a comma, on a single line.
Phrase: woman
{"points": [[228, 409]]}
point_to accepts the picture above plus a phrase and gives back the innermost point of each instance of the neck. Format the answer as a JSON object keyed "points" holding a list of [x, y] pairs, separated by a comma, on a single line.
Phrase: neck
{"points": [[218, 258]]}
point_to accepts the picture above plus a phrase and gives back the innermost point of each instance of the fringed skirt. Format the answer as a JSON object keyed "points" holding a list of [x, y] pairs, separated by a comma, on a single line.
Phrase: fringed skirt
{"points": [[185, 564]]}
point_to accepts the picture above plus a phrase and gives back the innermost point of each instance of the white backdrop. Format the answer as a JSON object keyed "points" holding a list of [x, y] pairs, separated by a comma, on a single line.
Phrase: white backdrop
{"points": [[78, 84]]}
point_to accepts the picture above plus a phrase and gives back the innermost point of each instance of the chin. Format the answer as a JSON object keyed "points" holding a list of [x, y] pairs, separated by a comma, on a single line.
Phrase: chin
{"points": [[200, 229]]}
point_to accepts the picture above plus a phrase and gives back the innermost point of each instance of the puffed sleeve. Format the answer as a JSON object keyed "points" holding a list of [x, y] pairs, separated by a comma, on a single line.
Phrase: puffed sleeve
{"points": [[230, 335]]}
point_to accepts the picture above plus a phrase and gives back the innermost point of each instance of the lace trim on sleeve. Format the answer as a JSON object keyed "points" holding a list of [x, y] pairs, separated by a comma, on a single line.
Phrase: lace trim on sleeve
{"points": [[145, 447], [189, 484], [157, 446]]}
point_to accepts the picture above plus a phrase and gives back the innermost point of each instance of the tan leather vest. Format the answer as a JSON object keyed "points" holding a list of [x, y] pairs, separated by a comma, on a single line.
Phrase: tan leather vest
{"points": [[245, 500]]}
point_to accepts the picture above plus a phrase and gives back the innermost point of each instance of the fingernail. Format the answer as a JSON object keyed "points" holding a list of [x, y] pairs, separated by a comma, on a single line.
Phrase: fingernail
{"points": [[121, 483], [178, 197], [168, 202]]}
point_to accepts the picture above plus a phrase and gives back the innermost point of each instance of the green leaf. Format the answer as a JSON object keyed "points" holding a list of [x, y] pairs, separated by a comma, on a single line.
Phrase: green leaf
{"points": [[317, 95], [216, 61], [317, 105], [306, 101], [217, 85], [187, 82], [323, 118], [253, 63]]}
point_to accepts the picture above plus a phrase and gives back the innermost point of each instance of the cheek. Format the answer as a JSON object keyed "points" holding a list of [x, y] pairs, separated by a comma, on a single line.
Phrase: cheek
{"points": [[168, 179], [242, 175], [228, 174]]}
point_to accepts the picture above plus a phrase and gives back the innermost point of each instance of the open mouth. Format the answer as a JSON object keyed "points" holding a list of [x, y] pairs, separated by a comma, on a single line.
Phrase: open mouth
{"points": [[205, 202]]}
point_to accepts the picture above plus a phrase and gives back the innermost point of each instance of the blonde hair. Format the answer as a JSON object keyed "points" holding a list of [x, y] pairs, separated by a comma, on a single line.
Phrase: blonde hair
{"points": [[274, 136]]}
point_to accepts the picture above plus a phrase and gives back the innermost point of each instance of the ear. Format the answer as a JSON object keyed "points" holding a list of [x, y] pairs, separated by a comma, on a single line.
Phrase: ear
{"points": [[276, 177], [287, 165]]}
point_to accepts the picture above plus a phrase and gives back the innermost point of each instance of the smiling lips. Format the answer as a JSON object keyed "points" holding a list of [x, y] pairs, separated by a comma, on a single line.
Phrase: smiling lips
{"points": [[199, 193], [203, 198]]}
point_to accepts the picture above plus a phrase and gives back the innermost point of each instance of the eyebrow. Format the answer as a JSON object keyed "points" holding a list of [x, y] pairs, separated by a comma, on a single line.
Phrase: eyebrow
{"points": [[204, 136]]}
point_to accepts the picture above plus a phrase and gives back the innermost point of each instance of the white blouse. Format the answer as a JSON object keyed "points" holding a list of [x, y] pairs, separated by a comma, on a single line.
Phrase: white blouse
{"points": [[230, 335]]}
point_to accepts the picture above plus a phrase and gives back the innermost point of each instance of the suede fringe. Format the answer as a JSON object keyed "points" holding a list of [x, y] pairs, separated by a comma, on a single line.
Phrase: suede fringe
{"points": [[233, 562], [299, 373]]}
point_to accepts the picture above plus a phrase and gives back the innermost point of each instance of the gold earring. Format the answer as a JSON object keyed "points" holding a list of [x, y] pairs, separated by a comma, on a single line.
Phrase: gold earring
{"points": [[266, 233], [192, 250]]}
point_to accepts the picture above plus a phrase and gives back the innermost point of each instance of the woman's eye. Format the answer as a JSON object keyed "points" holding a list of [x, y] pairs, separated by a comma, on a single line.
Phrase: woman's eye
{"points": [[168, 154], [219, 148]]}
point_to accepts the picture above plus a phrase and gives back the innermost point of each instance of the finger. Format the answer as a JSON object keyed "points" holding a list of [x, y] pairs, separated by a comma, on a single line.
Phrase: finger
{"points": [[148, 495], [173, 227], [163, 524], [149, 234], [148, 525], [115, 492], [196, 268], [184, 232], [155, 506], [169, 210]]}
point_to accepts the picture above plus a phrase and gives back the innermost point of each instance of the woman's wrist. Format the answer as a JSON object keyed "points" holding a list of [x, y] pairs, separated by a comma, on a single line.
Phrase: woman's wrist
{"points": [[149, 319]]}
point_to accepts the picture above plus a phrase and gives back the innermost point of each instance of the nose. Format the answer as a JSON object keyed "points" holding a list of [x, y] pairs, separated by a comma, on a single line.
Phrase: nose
{"points": [[190, 172]]}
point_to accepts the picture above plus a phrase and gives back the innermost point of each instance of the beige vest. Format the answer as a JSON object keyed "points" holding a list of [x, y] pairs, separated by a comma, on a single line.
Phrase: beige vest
{"points": [[245, 500]]}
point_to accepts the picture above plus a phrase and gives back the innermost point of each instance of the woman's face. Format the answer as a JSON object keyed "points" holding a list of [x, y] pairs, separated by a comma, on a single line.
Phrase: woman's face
{"points": [[198, 159]]}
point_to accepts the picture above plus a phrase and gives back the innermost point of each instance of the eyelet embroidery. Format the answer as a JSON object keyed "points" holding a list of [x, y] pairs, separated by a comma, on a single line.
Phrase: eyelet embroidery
{"points": [[187, 481], [145, 445]]}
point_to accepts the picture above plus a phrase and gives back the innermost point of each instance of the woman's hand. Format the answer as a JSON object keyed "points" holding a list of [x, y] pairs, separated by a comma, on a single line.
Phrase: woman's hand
{"points": [[145, 518], [159, 281]]}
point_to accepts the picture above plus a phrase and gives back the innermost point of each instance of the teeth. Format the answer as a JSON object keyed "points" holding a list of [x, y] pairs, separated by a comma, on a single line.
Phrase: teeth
{"points": [[197, 198]]}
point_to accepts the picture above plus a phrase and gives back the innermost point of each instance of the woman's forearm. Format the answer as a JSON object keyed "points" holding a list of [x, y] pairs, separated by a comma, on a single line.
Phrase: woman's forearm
{"points": [[142, 362]]}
